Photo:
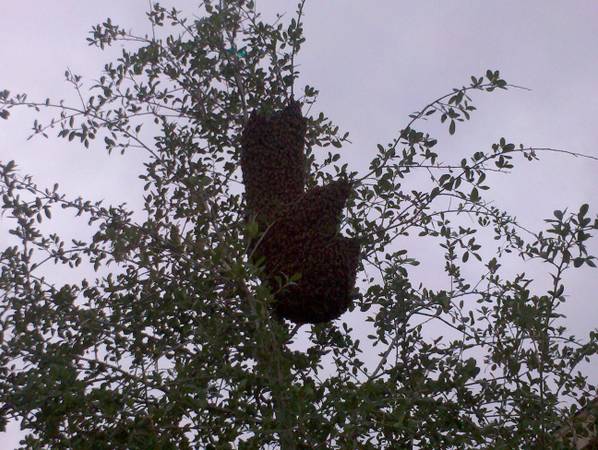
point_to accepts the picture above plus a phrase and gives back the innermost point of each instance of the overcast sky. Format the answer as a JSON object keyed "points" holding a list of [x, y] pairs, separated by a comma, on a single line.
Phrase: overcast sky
{"points": [[374, 63]]}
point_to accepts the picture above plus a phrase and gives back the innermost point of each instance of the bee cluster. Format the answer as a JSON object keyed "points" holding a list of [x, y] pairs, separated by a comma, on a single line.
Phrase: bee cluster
{"points": [[299, 229]]}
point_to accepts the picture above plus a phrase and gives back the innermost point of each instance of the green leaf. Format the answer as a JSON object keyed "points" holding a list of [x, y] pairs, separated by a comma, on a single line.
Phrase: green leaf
{"points": [[252, 229], [583, 210]]}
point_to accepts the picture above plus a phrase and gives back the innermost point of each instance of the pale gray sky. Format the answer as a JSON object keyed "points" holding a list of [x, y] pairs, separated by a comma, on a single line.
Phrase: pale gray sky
{"points": [[374, 63]]}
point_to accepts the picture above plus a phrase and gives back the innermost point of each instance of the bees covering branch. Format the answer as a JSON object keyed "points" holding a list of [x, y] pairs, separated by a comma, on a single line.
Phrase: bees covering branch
{"points": [[301, 228]]}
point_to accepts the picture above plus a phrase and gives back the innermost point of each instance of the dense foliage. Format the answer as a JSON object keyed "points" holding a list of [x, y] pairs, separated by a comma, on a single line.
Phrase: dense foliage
{"points": [[170, 343]]}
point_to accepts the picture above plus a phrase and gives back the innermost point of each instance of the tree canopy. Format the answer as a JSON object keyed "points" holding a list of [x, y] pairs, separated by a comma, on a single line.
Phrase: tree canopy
{"points": [[168, 340]]}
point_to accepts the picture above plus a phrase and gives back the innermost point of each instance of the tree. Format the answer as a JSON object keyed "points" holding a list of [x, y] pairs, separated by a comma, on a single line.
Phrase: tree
{"points": [[172, 344]]}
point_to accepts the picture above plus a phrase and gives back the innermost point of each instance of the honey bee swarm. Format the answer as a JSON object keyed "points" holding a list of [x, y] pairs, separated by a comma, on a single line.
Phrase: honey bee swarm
{"points": [[300, 228]]}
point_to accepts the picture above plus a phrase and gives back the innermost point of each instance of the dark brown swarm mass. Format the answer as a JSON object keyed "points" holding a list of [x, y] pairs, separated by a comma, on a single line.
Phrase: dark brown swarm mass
{"points": [[300, 228], [273, 161]]}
